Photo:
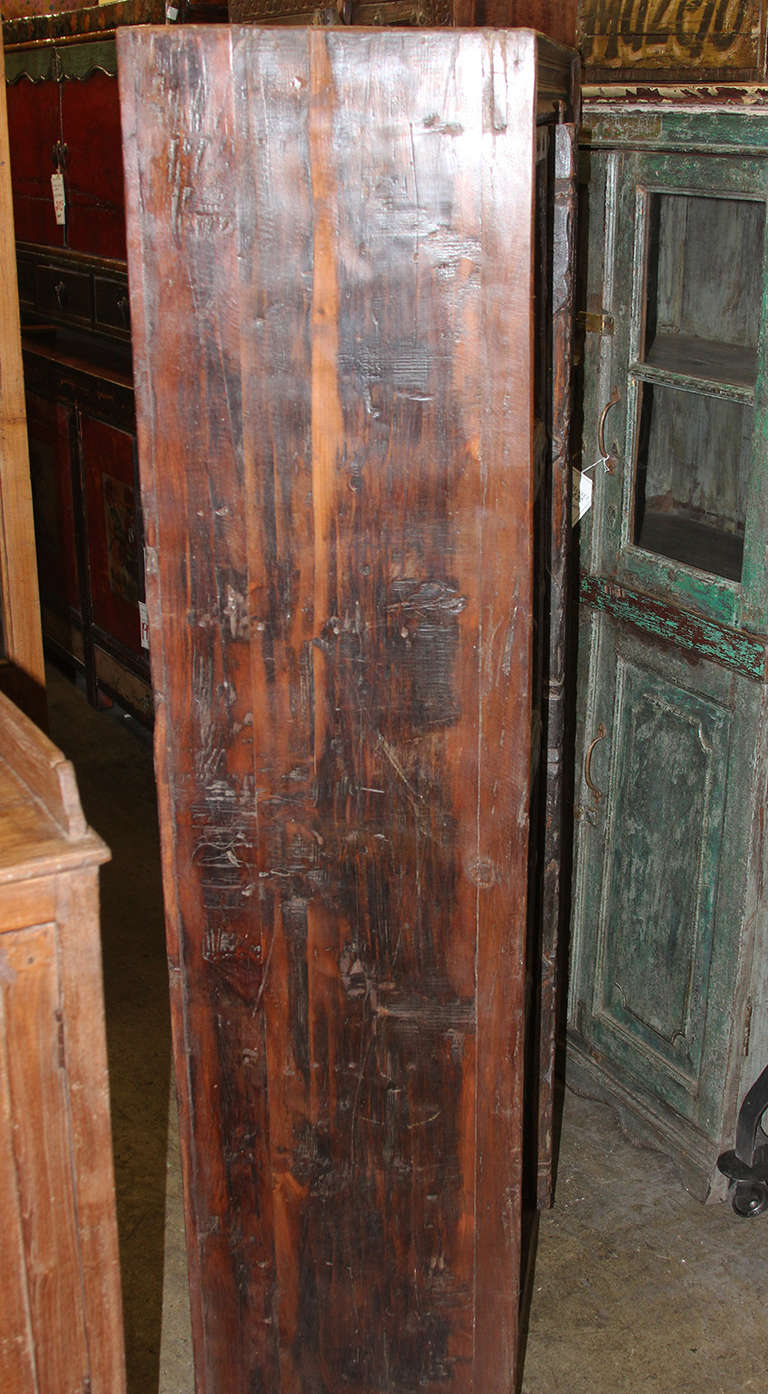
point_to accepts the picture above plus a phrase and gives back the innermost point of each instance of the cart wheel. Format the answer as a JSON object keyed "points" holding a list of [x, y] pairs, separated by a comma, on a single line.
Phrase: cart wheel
{"points": [[749, 1198]]}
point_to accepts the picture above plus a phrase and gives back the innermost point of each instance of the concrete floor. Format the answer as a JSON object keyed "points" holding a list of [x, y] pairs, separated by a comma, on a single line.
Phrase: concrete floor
{"points": [[637, 1288]]}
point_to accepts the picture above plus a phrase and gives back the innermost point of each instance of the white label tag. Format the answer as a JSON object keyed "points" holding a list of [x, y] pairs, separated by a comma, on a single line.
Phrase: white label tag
{"points": [[59, 197], [582, 495], [143, 625], [171, 13]]}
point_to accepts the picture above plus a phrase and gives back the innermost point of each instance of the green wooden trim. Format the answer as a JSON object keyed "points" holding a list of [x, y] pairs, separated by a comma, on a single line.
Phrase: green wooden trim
{"points": [[736, 132], [50, 63], [744, 653], [712, 596]]}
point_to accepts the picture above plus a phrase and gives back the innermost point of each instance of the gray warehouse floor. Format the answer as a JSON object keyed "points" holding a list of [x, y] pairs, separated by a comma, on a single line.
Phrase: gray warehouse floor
{"points": [[637, 1289]]}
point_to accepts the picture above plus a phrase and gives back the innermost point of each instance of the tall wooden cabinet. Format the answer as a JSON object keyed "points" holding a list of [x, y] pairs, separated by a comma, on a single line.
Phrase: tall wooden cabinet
{"points": [[668, 1010], [333, 261]]}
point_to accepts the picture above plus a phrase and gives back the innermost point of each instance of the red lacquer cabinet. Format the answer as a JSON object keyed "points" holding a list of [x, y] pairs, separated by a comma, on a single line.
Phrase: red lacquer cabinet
{"points": [[64, 120]]}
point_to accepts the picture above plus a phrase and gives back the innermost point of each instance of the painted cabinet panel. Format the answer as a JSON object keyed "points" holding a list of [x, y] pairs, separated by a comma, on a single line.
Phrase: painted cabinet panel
{"points": [[667, 1011], [663, 872]]}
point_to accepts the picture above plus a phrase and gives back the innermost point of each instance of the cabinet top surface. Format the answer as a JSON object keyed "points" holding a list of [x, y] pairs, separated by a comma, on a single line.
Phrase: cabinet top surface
{"points": [[42, 828]]}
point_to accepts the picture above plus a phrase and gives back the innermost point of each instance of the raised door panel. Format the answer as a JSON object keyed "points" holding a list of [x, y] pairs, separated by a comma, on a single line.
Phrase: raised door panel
{"points": [[34, 129], [662, 872], [90, 114], [664, 839], [331, 278]]}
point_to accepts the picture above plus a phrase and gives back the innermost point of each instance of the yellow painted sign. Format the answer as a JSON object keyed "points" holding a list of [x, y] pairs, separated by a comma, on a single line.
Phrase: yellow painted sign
{"points": [[693, 35]]}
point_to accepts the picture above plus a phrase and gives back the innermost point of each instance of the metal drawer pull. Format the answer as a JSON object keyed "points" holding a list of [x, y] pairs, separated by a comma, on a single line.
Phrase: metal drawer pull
{"points": [[610, 458], [597, 794], [60, 291], [122, 307]]}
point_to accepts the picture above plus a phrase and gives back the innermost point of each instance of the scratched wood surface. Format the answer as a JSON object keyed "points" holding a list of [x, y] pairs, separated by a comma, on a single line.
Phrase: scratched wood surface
{"points": [[331, 256]]}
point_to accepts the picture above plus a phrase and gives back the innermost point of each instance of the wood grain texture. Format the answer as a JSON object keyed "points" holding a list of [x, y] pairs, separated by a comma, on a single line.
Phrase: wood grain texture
{"points": [[330, 250]]}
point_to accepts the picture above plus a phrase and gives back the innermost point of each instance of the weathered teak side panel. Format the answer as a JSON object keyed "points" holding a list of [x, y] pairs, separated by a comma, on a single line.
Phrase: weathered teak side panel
{"points": [[330, 258]]}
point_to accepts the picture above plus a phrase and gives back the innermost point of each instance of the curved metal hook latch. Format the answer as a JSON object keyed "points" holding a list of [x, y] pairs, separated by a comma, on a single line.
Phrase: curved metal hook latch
{"points": [[596, 793], [610, 457]]}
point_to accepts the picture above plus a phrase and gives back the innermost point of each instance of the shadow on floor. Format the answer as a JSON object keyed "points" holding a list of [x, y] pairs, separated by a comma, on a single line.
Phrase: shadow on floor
{"points": [[112, 757]]}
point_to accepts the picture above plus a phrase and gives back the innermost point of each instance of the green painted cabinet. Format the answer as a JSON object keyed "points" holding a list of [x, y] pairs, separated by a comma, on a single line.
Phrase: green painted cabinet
{"points": [[668, 1012]]}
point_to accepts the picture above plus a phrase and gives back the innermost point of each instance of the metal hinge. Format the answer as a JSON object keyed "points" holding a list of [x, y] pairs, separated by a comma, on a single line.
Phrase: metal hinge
{"points": [[593, 323]]}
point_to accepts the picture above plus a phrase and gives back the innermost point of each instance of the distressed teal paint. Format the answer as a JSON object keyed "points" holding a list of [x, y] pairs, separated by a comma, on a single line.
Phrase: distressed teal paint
{"points": [[670, 919], [688, 631], [668, 777], [713, 597], [688, 131]]}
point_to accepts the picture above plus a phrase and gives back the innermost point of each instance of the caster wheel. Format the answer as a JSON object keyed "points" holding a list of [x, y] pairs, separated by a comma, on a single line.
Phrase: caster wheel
{"points": [[749, 1198]]}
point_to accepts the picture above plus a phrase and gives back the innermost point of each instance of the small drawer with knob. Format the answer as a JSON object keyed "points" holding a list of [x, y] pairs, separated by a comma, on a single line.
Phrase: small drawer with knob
{"points": [[64, 293], [111, 305]]}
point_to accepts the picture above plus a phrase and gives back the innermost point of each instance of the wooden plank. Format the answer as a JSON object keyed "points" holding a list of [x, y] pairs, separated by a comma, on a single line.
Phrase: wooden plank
{"points": [[195, 675], [338, 242], [35, 1082], [17, 1352], [20, 632], [85, 1050]]}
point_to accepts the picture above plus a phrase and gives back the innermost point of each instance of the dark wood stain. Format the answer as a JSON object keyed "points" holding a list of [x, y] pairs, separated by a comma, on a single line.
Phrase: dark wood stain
{"points": [[332, 320]]}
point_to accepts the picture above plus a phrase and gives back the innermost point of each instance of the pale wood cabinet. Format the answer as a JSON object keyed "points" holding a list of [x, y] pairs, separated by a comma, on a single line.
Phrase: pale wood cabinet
{"points": [[60, 1313]]}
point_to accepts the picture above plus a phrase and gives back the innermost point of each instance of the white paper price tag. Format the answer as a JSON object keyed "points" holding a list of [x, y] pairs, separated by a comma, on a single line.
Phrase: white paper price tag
{"points": [[59, 197], [581, 495], [143, 625]]}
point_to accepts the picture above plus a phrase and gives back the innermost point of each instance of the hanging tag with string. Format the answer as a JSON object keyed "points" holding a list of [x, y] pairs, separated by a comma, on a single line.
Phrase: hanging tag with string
{"points": [[583, 484], [583, 489]]}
